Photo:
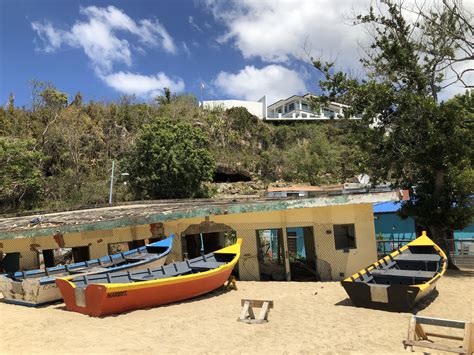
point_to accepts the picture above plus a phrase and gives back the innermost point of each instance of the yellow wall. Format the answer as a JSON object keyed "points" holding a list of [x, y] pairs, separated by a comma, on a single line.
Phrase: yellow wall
{"points": [[331, 262]]}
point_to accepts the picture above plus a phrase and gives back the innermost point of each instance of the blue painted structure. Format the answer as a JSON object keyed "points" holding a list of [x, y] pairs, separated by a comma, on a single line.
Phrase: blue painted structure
{"points": [[392, 227], [300, 250], [271, 236]]}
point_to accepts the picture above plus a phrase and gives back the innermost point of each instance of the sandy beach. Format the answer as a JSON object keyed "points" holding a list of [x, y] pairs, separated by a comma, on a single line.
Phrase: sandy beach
{"points": [[309, 317]]}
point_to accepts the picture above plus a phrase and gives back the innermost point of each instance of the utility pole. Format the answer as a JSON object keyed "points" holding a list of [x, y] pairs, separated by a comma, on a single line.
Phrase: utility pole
{"points": [[111, 182], [202, 102]]}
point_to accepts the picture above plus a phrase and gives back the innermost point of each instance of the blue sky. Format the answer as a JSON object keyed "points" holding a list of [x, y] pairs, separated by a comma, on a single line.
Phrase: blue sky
{"points": [[238, 49]]}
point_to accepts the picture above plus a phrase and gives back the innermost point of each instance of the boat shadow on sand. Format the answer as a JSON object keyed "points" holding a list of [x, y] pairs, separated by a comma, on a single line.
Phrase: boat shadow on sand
{"points": [[216, 293], [424, 303]]}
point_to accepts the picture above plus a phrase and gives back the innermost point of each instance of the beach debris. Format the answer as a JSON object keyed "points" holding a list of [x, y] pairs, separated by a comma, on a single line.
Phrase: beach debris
{"points": [[231, 283], [38, 220], [248, 316], [417, 336]]}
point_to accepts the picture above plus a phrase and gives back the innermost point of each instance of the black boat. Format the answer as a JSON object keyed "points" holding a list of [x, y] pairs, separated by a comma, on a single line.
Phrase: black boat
{"points": [[401, 279]]}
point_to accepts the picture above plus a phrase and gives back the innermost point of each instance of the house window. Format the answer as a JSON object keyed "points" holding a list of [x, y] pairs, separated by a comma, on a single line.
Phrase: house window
{"points": [[279, 110], [291, 107], [328, 113], [344, 236], [304, 107]]}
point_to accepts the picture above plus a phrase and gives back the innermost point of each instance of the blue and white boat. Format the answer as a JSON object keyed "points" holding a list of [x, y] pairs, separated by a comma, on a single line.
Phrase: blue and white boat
{"points": [[38, 287]]}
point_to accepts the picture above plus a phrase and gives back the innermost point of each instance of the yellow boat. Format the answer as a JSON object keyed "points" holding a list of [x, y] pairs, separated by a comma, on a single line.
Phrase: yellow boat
{"points": [[401, 279]]}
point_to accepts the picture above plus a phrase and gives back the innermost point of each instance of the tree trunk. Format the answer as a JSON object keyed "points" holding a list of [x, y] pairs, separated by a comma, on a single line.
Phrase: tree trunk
{"points": [[439, 232], [440, 237]]}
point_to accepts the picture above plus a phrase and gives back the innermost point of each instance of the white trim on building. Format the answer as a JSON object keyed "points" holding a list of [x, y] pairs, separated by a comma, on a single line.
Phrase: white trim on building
{"points": [[294, 108], [299, 108], [256, 108]]}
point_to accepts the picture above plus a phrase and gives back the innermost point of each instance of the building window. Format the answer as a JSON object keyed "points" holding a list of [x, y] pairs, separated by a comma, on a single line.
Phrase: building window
{"points": [[344, 236], [291, 107], [304, 107], [329, 113]]}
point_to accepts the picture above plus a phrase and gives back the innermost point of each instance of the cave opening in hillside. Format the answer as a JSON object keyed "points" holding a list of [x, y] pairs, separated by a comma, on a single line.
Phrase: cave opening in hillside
{"points": [[220, 176]]}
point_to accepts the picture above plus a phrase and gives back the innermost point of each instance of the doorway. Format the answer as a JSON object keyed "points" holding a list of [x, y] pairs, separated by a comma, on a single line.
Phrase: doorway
{"points": [[271, 260], [134, 244], [80, 254], [10, 262], [204, 243], [53, 257], [302, 253]]}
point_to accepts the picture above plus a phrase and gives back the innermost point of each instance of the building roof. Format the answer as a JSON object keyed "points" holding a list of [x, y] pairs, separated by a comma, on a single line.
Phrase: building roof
{"points": [[307, 188], [292, 96], [305, 96], [146, 212], [387, 207]]}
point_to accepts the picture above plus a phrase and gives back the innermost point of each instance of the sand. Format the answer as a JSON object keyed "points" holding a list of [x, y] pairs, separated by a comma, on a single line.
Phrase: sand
{"points": [[309, 317]]}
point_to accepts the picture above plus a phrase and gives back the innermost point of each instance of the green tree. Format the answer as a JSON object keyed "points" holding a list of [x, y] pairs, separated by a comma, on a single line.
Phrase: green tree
{"points": [[416, 142], [314, 161], [169, 160], [20, 175]]}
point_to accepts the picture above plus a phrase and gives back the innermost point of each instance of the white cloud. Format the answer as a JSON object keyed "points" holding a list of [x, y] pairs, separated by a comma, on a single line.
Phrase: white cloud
{"points": [[277, 31], [99, 36], [186, 49], [142, 85], [280, 31], [251, 83], [194, 24], [49, 35]]}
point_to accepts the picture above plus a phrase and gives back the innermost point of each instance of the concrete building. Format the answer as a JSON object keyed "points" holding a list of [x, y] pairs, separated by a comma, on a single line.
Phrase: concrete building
{"points": [[294, 108], [329, 236], [390, 226], [256, 108], [299, 108]]}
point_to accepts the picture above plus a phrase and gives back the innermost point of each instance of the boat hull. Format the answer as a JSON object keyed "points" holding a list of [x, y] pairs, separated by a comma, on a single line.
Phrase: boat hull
{"points": [[108, 298], [399, 298], [399, 281], [100, 301], [34, 293], [26, 289]]}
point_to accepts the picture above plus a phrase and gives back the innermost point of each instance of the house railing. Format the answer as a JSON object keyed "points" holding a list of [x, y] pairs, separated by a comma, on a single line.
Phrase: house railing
{"points": [[385, 247], [460, 250]]}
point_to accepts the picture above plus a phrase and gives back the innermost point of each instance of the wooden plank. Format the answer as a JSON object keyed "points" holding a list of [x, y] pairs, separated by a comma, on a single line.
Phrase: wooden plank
{"points": [[452, 337], [263, 316], [429, 345], [440, 322], [411, 328], [468, 340], [256, 303], [420, 332], [245, 311]]}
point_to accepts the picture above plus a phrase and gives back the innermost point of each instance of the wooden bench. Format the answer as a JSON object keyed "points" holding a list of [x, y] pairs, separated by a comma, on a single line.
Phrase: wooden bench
{"points": [[417, 336], [248, 316]]}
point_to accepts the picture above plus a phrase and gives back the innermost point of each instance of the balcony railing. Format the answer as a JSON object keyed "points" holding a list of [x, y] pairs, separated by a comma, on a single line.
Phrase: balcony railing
{"points": [[460, 250]]}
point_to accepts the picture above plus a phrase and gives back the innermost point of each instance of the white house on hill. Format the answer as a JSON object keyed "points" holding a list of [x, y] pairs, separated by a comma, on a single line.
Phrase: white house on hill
{"points": [[256, 108], [294, 108], [299, 108]]}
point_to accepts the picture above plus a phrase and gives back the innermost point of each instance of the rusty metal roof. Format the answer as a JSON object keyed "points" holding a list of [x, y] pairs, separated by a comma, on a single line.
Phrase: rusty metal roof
{"points": [[146, 212]]}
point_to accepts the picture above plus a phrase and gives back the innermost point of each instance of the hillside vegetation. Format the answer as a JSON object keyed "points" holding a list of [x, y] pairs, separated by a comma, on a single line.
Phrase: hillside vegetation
{"points": [[58, 153]]}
